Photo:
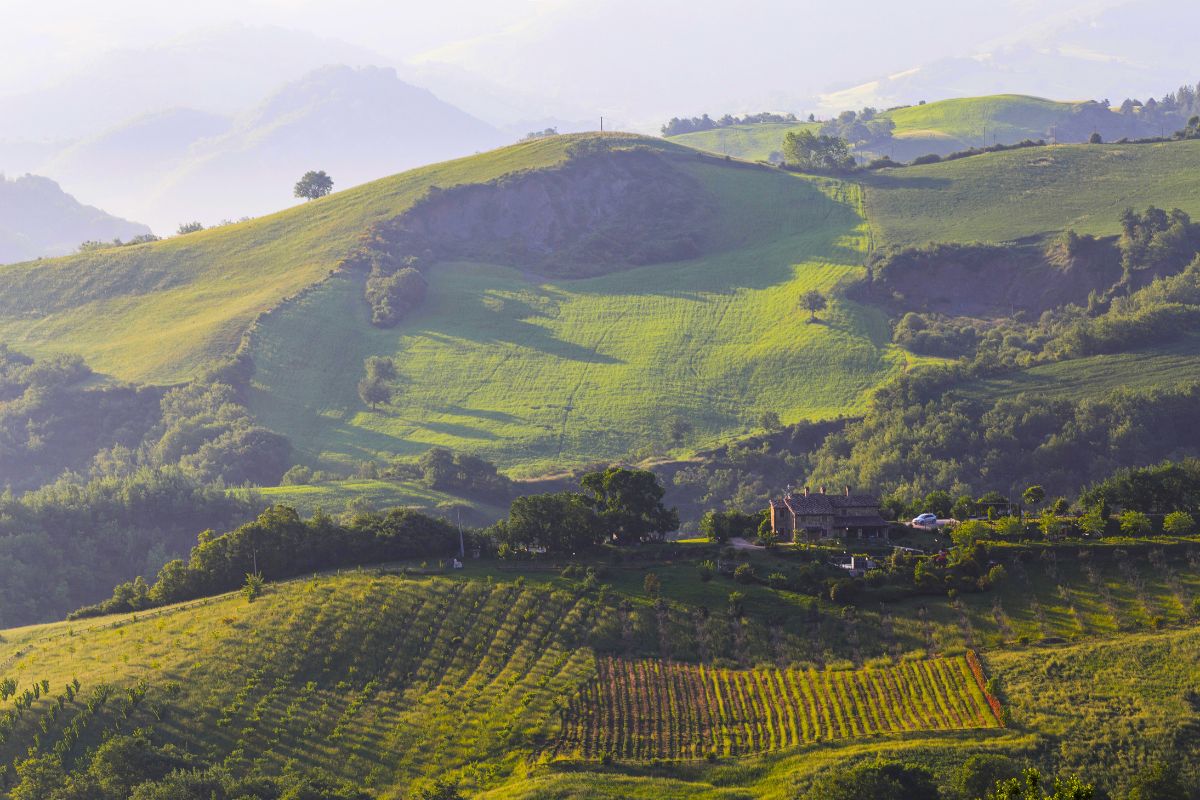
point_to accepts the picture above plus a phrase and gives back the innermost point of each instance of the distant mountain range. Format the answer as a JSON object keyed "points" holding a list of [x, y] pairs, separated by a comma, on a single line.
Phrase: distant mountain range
{"points": [[37, 218], [185, 164]]}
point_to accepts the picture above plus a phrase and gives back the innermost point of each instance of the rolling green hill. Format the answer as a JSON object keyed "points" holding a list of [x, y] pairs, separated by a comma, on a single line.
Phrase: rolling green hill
{"points": [[493, 677], [751, 142], [940, 127], [536, 373], [999, 197], [159, 312]]}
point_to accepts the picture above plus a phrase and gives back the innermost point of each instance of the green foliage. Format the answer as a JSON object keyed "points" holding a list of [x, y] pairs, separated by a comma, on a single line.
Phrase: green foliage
{"points": [[253, 588], [721, 526], [189, 227], [313, 184], [440, 789], [876, 781], [813, 301], [281, 545], [652, 584], [1179, 523], [1134, 523], [563, 523], [1031, 786], [809, 151], [629, 504]]}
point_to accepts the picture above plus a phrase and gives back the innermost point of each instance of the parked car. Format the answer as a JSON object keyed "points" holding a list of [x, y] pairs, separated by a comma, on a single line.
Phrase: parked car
{"points": [[925, 519]]}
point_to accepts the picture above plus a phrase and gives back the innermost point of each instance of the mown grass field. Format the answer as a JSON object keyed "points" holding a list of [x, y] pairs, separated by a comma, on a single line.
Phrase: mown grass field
{"points": [[536, 374], [159, 312], [390, 679], [1000, 197]]}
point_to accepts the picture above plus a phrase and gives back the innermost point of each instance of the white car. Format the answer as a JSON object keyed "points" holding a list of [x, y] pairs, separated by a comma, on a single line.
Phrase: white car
{"points": [[925, 519]]}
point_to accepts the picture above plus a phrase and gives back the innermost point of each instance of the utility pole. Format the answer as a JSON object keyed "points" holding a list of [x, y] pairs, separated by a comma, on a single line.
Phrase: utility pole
{"points": [[602, 124], [462, 547]]}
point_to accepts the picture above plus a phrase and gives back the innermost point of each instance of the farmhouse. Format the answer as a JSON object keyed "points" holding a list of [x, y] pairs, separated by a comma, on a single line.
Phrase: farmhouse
{"points": [[819, 515]]}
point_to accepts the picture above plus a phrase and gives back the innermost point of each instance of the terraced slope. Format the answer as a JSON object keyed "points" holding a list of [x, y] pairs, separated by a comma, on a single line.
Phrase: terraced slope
{"points": [[536, 373], [999, 197], [158, 312]]}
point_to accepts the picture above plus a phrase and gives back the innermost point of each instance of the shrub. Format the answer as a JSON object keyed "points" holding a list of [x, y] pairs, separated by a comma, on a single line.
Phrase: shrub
{"points": [[1134, 523], [652, 585], [744, 573], [1179, 523], [707, 569]]}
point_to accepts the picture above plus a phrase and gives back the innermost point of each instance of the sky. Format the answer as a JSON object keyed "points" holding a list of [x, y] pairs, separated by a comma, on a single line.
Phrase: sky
{"points": [[632, 59]]}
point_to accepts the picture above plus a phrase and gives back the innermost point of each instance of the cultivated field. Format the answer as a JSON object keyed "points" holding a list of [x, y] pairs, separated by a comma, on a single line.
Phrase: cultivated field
{"points": [[648, 709]]}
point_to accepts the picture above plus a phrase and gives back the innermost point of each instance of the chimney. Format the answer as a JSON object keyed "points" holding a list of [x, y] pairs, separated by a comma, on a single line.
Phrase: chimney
{"points": [[806, 491], [846, 490], [822, 490]]}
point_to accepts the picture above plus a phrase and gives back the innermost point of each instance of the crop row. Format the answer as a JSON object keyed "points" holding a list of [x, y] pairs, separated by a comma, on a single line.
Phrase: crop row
{"points": [[649, 709]]}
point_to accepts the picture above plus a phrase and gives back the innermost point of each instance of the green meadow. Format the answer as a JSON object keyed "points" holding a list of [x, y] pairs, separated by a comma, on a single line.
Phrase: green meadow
{"points": [[536, 374], [1034, 192]]}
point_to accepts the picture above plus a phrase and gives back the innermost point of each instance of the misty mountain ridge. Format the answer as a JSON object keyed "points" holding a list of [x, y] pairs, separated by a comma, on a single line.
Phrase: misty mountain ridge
{"points": [[37, 218]]}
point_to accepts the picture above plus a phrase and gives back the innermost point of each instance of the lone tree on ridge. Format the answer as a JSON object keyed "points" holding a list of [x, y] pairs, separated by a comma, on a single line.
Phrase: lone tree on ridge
{"points": [[313, 185]]}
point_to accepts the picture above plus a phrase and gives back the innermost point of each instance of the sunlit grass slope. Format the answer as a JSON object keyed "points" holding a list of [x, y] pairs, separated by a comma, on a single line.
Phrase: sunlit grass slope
{"points": [[751, 142], [1162, 366], [939, 127], [536, 373], [1000, 197], [158, 312], [337, 496]]}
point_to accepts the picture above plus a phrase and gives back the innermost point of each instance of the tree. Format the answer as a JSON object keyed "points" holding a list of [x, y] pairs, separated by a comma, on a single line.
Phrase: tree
{"points": [[629, 503], [1096, 138], [769, 421], [1134, 523], [440, 789], [982, 771], [1094, 521], [313, 184], [678, 428], [807, 150], [562, 522], [189, 227], [254, 586], [1158, 782], [373, 391], [1179, 523], [1034, 495], [968, 533], [651, 584], [813, 301], [1029, 787]]}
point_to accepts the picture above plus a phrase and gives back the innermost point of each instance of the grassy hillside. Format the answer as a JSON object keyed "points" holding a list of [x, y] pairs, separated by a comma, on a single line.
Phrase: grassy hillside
{"points": [[1162, 366], [158, 312], [334, 497], [941, 127], [1000, 197], [751, 142], [387, 679], [538, 373], [975, 121]]}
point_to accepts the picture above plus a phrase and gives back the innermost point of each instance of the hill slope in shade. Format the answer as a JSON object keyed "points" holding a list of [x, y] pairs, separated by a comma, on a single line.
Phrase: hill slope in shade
{"points": [[159, 312], [537, 373], [37, 218], [999, 197]]}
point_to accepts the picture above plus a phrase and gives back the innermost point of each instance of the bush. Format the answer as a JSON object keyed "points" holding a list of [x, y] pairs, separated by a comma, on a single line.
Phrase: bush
{"points": [[1134, 523], [744, 573], [1179, 523], [707, 569]]}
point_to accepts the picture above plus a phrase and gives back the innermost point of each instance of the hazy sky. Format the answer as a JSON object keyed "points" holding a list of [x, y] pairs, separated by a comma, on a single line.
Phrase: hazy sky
{"points": [[635, 59]]}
